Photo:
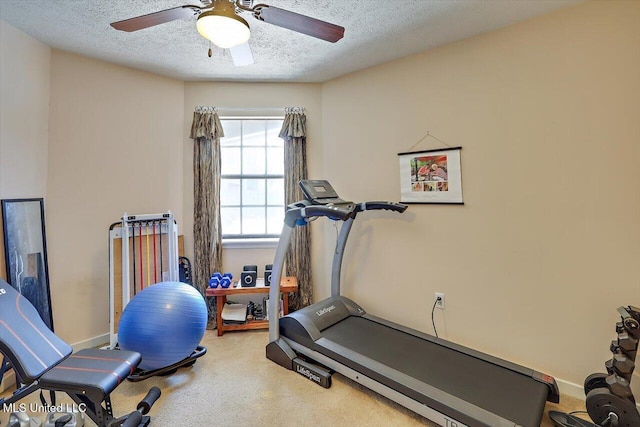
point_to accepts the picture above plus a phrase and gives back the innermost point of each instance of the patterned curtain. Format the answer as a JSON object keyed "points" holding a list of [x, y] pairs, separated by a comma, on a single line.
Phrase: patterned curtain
{"points": [[206, 131], [298, 259]]}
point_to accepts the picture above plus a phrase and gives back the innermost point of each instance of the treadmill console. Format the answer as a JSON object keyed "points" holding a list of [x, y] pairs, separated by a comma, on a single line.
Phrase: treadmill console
{"points": [[320, 192]]}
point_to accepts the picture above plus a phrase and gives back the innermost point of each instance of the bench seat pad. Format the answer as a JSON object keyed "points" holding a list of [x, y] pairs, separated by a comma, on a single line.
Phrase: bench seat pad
{"points": [[91, 372]]}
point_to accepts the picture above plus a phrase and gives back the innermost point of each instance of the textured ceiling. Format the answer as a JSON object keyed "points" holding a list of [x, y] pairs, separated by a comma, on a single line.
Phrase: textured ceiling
{"points": [[376, 31]]}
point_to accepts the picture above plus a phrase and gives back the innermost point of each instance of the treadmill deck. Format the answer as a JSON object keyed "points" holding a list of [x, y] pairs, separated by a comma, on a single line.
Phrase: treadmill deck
{"points": [[509, 394]]}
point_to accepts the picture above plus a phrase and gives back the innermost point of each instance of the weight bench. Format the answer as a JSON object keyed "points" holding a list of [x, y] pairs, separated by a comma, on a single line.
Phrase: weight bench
{"points": [[43, 361]]}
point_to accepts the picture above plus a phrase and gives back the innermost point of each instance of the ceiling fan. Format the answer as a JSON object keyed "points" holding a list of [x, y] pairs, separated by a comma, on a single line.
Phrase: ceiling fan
{"points": [[219, 21]]}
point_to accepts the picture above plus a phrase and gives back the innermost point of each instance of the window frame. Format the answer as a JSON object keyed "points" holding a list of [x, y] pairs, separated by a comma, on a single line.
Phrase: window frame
{"points": [[251, 240]]}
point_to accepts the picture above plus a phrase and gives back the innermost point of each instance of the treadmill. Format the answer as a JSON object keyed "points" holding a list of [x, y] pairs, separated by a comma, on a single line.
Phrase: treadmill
{"points": [[445, 382]]}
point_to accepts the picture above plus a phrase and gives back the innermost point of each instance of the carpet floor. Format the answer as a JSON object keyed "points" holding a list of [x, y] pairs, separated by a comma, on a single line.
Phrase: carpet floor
{"points": [[235, 385]]}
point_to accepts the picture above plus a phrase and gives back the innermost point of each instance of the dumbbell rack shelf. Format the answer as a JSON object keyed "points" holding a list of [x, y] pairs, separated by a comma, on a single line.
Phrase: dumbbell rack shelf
{"points": [[287, 285]]}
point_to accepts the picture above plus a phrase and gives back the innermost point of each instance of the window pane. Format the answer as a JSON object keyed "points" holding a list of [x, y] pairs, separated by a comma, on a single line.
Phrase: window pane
{"points": [[253, 192], [230, 192], [275, 192], [253, 161], [253, 132], [252, 204], [230, 161], [273, 129], [231, 133], [275, 219], [275, 160], [230, 220], [253, 221]]}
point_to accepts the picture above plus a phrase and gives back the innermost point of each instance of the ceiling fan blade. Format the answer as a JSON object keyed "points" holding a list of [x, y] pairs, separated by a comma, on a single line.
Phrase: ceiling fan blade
{"points": [[300, 23], [156, 18], [241, 55]]}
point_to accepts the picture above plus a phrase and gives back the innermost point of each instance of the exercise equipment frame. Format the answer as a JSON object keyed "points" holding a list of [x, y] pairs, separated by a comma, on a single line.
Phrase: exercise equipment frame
{"points": [[125, 231]]}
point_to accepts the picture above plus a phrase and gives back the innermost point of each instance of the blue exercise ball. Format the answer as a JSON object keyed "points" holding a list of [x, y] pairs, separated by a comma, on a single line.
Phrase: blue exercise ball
{"points": [[164, 323]]}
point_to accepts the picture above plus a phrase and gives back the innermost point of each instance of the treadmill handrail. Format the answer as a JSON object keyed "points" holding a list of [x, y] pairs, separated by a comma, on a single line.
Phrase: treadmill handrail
{"points": [[297, 213], [378, 205]]}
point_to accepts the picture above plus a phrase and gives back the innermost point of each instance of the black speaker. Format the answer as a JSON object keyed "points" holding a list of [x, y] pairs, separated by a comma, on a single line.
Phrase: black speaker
{"points": [[249, 276], [267, 274]]}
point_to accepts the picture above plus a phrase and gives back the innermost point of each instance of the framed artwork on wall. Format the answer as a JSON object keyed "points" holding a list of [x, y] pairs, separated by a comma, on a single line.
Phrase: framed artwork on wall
{"points": [[25, 251], [431, 176]]}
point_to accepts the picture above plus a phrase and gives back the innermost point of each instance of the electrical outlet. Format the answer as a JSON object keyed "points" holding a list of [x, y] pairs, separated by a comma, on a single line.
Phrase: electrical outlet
{"points": [[439, 299]]}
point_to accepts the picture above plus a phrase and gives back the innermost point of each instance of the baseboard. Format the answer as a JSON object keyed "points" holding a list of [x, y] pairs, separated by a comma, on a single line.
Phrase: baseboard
{"points": [[94, 342], [570, 389]]}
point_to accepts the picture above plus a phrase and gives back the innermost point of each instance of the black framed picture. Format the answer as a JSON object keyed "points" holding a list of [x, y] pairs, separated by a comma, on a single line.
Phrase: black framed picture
{"points": [[431, 176], [25, 251]]}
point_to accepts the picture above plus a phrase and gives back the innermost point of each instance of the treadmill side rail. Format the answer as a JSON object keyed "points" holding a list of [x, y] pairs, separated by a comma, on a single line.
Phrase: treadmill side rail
{"points": [[312, 372], [280, 352]]}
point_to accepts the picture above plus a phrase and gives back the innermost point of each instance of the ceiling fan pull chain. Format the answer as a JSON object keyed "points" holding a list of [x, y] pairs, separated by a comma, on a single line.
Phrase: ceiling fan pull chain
{"points": [[210, 51]]}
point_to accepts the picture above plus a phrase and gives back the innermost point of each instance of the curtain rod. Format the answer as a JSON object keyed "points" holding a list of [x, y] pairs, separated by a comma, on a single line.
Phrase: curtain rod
{"points": [[211, 109]]}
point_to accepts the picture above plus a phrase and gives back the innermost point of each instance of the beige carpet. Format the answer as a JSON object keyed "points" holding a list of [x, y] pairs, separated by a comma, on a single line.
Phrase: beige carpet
{"points": [[235, 385]]}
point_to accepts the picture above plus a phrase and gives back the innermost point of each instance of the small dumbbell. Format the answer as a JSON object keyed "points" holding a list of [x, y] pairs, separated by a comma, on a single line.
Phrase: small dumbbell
{"points": [[226, 280], [618, 386], [623, 364], [620, 364], [627, 342], [614, 347], [215, 280], [609, 366]]}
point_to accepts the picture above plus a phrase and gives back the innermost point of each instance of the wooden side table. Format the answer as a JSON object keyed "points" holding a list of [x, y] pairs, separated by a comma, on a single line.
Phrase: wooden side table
{"points": [[287, 284]]}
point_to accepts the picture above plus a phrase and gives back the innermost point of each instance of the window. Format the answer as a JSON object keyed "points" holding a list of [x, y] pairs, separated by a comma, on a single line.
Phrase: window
{"points": [[252, 178]]}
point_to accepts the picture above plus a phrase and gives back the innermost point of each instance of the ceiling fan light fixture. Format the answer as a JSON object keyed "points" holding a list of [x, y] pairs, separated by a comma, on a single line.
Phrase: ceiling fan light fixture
{"points": [[224, 29]]}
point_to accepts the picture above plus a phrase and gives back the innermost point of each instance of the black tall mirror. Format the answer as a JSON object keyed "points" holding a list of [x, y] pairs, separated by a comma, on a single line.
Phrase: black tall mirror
{"points": [[25, 250]]}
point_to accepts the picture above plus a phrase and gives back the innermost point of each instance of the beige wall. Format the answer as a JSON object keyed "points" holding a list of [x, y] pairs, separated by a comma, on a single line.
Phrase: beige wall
{"points": [[547, 244], [115, 145], [24, 118]]}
